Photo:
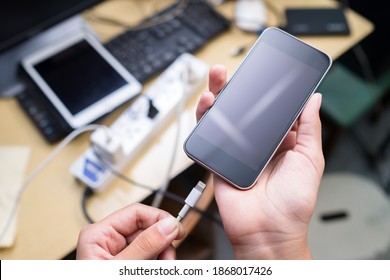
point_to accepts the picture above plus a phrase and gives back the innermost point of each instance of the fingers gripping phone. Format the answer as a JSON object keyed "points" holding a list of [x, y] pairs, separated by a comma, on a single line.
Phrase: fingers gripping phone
{"points": [[252, 114]]}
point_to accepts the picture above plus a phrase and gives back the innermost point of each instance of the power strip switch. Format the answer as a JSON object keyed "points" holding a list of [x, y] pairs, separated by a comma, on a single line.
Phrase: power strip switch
{"points": [[126, 136]]}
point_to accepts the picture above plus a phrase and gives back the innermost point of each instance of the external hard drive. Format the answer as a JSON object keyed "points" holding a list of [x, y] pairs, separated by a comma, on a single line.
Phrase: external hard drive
{"points": [[316, 21]]}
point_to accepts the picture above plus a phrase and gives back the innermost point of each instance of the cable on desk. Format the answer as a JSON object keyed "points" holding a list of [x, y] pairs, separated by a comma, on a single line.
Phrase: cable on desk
{"points": [[40, 167], [179, 111], [274, 10], [280, 18], [161, 192], [281, 22], [167, 194], [86, 194]]}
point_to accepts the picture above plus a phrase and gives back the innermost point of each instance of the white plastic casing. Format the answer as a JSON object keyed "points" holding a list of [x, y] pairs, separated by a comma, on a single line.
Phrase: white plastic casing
{"points": [[250, 15], [133, 128]]}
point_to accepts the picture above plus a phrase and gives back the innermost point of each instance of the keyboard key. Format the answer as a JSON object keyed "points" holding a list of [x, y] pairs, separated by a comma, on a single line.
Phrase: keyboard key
{"points": [[146, 52]]}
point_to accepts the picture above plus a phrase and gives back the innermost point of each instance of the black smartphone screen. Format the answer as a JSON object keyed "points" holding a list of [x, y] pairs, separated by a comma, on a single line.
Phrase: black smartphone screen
{"points": [[255, 110]]}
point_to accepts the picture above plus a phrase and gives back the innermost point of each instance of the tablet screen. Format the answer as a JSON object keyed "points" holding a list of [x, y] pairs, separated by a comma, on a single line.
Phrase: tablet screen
{"points": [[79, 76]]}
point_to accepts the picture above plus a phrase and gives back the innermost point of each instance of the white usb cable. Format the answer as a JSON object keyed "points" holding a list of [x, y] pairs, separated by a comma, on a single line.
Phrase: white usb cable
{"points": [[191, 200]]}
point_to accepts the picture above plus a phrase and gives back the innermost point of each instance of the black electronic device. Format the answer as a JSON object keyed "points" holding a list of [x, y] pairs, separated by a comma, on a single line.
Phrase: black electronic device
{"points": [[48, 122], [252, 114], [316, 21], [186, 32], [146, 51], [25, 27]]}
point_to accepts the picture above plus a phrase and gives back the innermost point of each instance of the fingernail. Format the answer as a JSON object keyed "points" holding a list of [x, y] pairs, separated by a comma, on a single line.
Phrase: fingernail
{"points": [[167, 225]]}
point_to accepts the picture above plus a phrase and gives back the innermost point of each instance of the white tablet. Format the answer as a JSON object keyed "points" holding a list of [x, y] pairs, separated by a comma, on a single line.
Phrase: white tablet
{"points": [[80, 78]]}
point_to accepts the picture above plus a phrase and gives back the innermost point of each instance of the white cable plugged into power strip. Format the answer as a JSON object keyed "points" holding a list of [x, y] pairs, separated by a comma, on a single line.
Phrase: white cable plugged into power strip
{"points": [[126, 136]]}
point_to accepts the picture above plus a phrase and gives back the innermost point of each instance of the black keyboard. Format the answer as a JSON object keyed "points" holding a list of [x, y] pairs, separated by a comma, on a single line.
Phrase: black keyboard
{"points": [[146, 52], [47, 123]]}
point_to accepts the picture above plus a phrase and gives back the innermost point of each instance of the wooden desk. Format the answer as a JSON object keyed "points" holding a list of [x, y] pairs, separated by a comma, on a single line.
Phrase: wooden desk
{"points": [[50, 215]]}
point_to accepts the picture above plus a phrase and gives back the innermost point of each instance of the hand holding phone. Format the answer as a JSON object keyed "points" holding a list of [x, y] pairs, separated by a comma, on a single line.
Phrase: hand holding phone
{"points": [[255, 110], [270, 220]]}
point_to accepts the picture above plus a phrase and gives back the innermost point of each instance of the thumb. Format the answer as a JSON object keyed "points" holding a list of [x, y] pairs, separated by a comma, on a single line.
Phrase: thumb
{"points": [[309, 128], [205, 102], [309, 142], [154, 240]]}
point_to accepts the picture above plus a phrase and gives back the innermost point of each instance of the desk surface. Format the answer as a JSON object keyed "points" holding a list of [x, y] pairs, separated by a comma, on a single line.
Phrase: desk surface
{"points": [[50, 215]]}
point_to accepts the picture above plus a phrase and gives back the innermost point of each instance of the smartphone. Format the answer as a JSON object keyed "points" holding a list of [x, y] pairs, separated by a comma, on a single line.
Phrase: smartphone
{"points": [[238, 135]]}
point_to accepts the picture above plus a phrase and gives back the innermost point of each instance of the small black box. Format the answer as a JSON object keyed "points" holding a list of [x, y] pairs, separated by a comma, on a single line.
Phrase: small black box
{"points": [[316, 21]]}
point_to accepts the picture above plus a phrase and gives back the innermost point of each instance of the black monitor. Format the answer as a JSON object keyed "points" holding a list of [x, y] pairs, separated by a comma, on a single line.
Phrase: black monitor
{"points": [[23, 24]]}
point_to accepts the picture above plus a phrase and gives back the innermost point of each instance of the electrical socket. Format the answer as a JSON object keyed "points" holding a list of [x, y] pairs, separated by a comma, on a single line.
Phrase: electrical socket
{"points": [[140, 121]]}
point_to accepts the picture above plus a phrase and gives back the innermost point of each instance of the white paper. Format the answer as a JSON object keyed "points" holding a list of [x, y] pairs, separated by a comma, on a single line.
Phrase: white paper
{"points": [[13, 161]]}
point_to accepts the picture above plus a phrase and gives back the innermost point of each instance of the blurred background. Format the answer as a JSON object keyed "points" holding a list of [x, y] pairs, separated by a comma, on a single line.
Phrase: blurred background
{"points": [[352, 217]]}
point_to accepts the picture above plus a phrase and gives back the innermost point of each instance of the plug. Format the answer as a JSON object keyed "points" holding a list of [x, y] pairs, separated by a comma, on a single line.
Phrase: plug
{"points": [[191, 200], [153, 111], [108, 145]]}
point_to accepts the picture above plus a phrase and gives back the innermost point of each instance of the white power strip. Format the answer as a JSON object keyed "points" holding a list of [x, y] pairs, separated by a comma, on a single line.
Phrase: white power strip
{"points": [[140, 122]]}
